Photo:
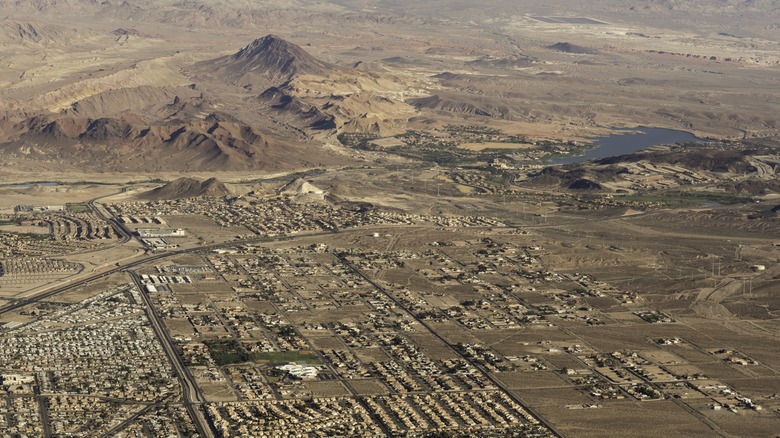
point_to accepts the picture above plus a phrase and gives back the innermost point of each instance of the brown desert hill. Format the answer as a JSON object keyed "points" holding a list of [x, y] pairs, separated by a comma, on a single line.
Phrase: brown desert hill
{"points": [[340, 104], [301, 187], [156, 128], [188, 188], [270, 60], [446, 101], [307, 93], [708, 160], [566, 47], [216, 141], [490, 62], [233, 15], [590, 175], [36, 34], [753, 187], [450, 104], [575, 177], [148, 101], [299, 112]]}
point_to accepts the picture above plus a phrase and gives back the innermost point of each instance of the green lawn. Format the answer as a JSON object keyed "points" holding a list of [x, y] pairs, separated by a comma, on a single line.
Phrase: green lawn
{"points": [[228, 352]]}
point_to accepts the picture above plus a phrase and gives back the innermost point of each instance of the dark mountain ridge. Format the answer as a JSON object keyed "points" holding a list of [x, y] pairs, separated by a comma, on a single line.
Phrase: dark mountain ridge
{"points": [[269, 60]]}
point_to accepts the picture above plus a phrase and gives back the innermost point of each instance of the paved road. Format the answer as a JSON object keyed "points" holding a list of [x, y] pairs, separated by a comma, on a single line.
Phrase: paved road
{"points": [[191, 392], [126, 235], [114, 430], [192, 396], [44, 411], [141, 261], [423, 323]]}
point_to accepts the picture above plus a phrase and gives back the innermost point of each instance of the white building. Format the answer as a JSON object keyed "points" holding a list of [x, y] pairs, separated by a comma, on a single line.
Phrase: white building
{"points": [[161, 232]]}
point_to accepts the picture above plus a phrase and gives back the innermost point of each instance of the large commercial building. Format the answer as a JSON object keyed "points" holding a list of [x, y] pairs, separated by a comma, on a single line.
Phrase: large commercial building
{"points": [[161, 232]]}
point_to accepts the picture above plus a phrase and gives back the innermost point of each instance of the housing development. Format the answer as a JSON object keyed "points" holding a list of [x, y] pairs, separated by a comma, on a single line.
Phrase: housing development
{"points": [[389, 218], [269, 315]]}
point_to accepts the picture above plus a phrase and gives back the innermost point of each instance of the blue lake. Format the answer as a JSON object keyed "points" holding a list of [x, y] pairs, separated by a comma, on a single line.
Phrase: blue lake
{"points": [[629, 140]]}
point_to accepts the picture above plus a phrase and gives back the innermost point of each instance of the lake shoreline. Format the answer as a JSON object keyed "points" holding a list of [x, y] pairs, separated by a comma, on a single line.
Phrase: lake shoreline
{"points": [[629, 140]]}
